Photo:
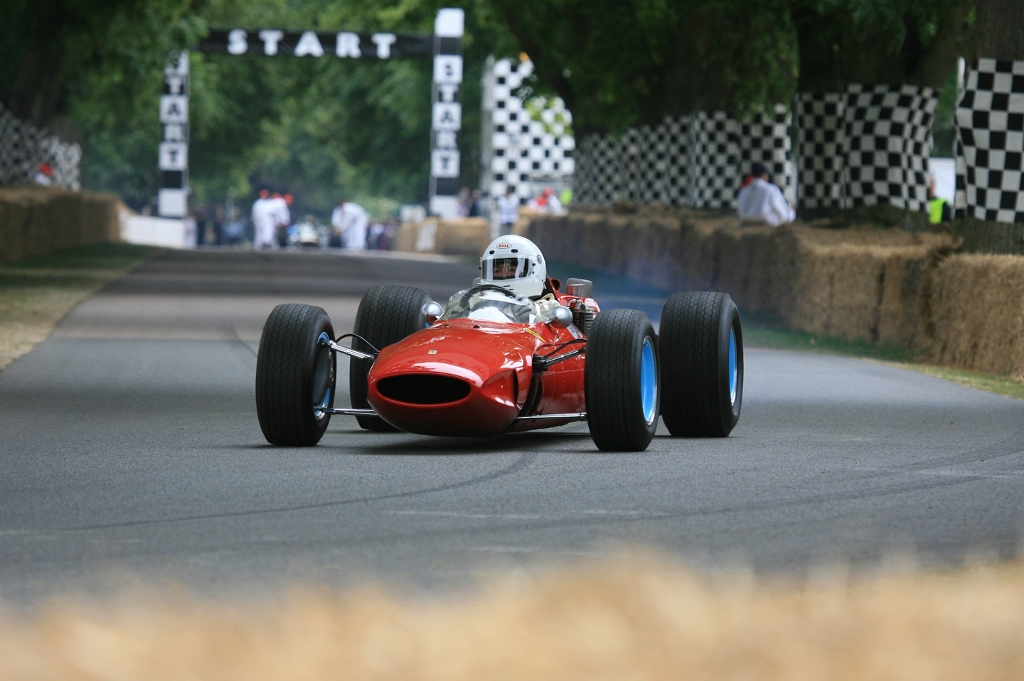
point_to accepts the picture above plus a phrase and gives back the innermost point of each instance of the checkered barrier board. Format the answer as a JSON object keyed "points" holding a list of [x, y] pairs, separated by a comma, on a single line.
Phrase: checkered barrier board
{"points": [[23, 147], [821, 139], [990, 142], [865, 146], [599, 171], [523, 149], [888, 139], [693, 161], [765, 139]]}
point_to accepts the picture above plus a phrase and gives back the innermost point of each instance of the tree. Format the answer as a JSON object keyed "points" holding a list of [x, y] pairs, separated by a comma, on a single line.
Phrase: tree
{"points": [[48, 46], [875, 42], [1000, 29]]}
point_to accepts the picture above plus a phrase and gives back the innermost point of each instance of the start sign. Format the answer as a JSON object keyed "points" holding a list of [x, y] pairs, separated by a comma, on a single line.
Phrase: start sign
{"points": [[445, 45]]}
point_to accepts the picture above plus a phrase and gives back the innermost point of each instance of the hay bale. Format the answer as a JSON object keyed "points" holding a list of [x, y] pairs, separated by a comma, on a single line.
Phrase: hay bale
{"points": [[39, 220], [745, 255], [405, 237], [977, 308], [903, 315], [462, 236], [16, 218]]}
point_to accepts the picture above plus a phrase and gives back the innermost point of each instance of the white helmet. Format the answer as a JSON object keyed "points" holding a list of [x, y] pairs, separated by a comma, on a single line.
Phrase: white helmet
{"points": [[516, 263]]}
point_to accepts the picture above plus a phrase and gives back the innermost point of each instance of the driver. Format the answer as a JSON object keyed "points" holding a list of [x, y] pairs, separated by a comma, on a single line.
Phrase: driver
{"points": [[515, 263]]}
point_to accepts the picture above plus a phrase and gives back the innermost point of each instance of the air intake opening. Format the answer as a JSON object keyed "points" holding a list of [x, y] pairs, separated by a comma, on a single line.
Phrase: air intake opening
{"points": [[423, 389]]}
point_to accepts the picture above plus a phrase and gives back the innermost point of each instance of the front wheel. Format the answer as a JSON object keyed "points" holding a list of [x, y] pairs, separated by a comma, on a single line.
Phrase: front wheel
{"points": [[295, 374], [702, 364], [386, 315], [621, 381]]}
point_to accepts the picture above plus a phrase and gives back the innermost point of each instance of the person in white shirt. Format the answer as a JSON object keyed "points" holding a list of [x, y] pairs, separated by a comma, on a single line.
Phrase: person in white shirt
{"points": [[264, 222], [351, 221], [762, 201], [508, 211], [282, 217]]}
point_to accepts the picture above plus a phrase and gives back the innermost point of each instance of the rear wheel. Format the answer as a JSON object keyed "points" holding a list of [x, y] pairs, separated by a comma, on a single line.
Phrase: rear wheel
{"points": [[621, 378], [386, 315], [701, 364], [294, 375]]}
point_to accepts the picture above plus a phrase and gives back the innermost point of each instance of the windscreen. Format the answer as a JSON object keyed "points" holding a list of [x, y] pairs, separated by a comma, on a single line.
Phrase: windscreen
{"points": [[498, 269], [491, 306]]}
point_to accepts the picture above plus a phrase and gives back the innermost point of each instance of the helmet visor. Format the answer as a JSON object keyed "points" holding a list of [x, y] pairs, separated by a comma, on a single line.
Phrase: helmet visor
{"points": [[498, 269]]}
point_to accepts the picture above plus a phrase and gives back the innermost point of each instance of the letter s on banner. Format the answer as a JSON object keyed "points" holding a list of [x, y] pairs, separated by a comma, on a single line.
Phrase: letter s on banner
{"points": [[237, 42]]}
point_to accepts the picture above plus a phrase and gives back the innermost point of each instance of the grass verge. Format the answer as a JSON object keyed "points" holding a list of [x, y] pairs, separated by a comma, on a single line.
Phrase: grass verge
{"points": [[36, 293]]}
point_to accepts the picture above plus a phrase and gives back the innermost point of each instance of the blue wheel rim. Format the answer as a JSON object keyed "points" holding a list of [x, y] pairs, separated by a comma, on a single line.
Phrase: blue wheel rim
{"points": [[648, 381], [318, 409], [733, 372]]}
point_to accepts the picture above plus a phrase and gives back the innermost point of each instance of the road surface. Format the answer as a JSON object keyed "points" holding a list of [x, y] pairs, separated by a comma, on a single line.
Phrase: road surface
{"points": [[130, 450]]}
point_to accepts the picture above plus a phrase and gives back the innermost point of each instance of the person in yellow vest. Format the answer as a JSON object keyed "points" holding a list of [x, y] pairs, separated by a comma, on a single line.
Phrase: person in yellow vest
{"points": [[939, 209]]}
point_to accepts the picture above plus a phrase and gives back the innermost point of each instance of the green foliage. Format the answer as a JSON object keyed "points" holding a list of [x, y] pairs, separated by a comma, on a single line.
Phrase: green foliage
{"points": [[322, 127], [944, 129]]}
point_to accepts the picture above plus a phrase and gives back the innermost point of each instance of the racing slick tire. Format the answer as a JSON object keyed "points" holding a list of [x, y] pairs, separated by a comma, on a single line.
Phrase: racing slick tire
{"points": [[386, 315], [621, 381], [701, 364], [295, 373]]}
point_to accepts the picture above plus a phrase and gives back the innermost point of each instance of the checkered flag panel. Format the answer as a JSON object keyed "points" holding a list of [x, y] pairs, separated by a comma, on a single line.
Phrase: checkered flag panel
{"points": [[990, 142], [530, 141], [822, 144], [714, 158], [888, 142], [598, 171], [865, 146], [765, 139], [687, 161], [23, 147]]}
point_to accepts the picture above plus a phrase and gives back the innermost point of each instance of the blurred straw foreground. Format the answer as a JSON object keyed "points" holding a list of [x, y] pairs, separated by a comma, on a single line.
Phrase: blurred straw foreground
{"points": [[635, 618]]}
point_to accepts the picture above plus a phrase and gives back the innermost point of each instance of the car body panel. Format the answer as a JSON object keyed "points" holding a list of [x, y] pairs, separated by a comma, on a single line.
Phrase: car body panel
{"points": [[495, 360]]}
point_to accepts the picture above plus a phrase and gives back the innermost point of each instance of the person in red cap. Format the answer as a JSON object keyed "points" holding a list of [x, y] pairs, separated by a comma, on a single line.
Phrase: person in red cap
{"points": [[549, 203], [44, 178], [282, 217]]}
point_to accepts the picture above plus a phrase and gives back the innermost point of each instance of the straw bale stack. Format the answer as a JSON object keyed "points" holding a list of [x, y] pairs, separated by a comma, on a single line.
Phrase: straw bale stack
{"points": [[462, 236], [459, 236], [39, 220], [977, 307]]}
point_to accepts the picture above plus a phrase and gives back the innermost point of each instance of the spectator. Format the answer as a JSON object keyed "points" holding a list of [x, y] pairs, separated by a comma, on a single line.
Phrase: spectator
{"points": [[939, 209], [761, 201], [189, 222], [234, 231], [465, 202], [508, 211], [282, 217], [263, 222], [200, 217], [475, 204], [548, 202], [351, 221], [218, 226], [44, 177]]}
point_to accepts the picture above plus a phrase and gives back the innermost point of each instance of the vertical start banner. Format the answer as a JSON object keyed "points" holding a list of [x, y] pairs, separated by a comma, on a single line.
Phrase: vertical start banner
{"points": [[446, 117], [172, 200]]}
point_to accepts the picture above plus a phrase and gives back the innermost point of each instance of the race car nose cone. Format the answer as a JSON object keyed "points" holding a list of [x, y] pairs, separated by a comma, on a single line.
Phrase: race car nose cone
{"points": [[449, 382]]}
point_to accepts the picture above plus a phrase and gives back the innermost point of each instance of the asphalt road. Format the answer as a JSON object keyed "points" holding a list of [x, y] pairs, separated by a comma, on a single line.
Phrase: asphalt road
{"points": [[130, 450]]}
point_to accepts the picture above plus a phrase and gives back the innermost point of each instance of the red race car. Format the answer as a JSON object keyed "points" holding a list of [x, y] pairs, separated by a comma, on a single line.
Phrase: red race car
{"points": [[513, 352]]}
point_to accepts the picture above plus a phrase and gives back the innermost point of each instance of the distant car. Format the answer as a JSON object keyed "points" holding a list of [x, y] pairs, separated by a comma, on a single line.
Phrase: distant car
{"points": [[493, 362]]}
